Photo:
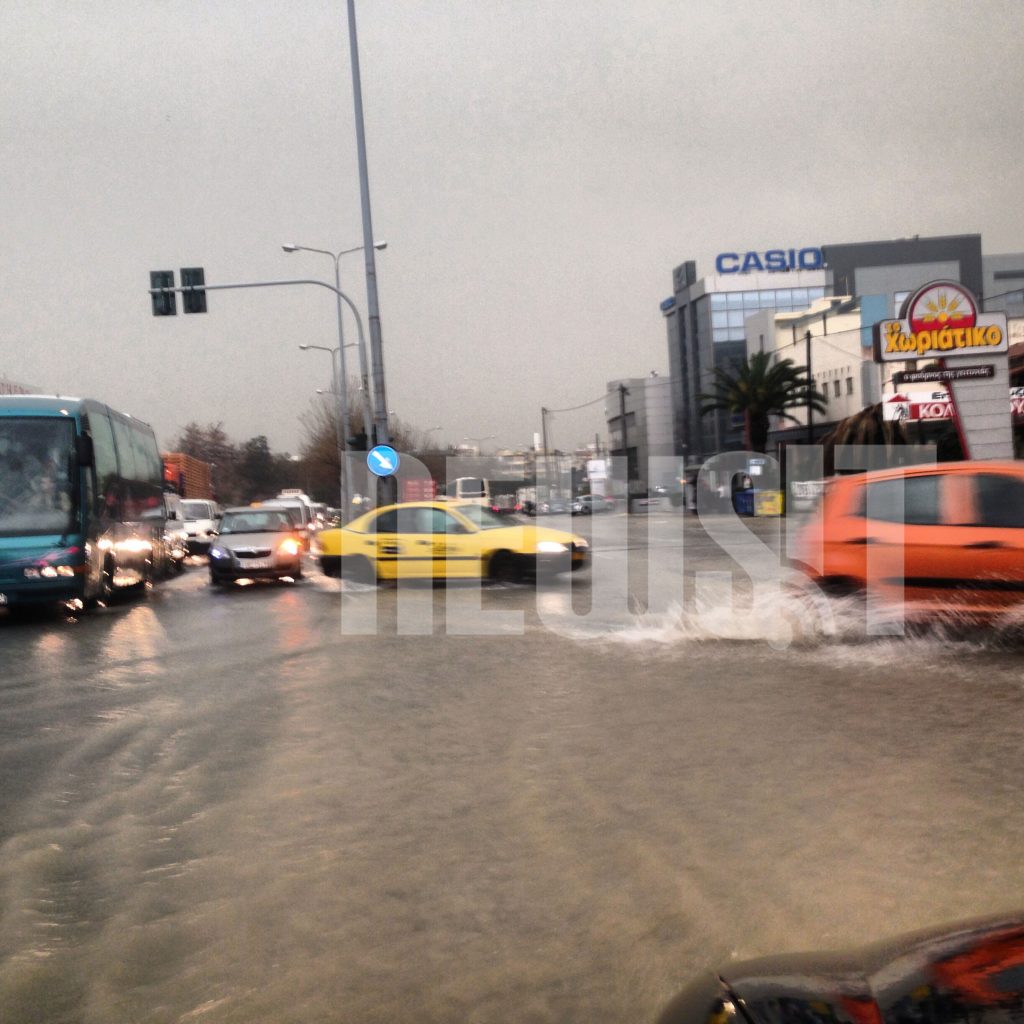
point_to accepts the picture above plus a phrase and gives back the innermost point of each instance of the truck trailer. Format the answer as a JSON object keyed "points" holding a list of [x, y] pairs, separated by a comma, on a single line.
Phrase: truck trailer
{"points": [[188, 476]]}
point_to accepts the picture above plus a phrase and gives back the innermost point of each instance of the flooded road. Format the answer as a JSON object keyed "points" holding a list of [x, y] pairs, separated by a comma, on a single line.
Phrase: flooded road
{"points": [[287, 804]]}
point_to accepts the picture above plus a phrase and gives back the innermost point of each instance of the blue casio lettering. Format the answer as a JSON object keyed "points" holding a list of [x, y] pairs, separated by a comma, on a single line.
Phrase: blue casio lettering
{"points": [[752, 261], [811, 259], [773, 259]]}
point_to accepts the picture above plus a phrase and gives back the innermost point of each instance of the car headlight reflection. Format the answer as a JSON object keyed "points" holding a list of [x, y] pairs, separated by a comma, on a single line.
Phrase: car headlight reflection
{"points": [[551, 547]]}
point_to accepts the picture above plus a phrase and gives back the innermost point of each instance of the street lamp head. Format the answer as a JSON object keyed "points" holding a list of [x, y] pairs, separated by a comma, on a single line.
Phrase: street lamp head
{"points": [[290, 247], [305, 348], [380, 245]]}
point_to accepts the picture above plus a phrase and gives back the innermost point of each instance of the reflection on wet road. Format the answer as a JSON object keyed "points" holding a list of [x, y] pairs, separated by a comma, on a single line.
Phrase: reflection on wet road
{"points": [[220, 807]]}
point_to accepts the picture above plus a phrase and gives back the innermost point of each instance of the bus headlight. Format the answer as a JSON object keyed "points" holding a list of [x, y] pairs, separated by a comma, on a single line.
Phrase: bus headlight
{"points": [[49, 572]]}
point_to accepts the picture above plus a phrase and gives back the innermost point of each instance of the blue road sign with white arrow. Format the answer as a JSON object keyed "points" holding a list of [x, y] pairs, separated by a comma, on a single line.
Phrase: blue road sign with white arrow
{"points": [[382, 460]]}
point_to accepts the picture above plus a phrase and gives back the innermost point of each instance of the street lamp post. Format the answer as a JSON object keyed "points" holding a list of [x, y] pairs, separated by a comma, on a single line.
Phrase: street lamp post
{"points": [[340, 421], [478, 440], [368, 411]]}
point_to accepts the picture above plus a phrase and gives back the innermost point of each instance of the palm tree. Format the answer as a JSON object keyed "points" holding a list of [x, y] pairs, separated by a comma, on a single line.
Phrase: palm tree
{"points": [[758, 388]]}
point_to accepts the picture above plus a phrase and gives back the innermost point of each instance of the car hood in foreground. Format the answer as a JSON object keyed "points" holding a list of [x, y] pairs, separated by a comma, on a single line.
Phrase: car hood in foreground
{"points": [[971, 972]]}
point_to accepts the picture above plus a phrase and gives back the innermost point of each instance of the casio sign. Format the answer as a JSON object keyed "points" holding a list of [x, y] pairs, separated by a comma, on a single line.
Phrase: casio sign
{"points": [[773, 259]]}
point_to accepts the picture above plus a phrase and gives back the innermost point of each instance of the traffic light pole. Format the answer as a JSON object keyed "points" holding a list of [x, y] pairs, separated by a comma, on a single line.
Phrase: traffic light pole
{"points": [[197, 291]]}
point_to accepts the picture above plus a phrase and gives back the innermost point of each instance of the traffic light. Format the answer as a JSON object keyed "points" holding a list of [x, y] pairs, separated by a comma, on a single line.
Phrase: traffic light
{"points": [[357, 443], [163, 303], [193, 302]]}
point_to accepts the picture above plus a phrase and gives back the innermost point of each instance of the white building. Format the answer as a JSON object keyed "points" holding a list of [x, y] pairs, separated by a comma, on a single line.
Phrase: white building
{"points": [[839, 353], [639, 416]]}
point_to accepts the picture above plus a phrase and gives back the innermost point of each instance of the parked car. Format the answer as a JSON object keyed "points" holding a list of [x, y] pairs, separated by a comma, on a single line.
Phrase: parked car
{"points": [[200, 520], [256, 543], [939, 538], [504, 505], [554, 507], [446, 539], [588, 504]]}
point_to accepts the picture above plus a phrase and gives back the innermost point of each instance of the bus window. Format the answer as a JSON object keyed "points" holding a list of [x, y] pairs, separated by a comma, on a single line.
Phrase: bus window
{"points": [[108, 500], [37, 473]]}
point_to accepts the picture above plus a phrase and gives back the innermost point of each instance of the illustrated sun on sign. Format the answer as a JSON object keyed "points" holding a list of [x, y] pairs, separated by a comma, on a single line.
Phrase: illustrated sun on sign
{"points": [[944, 310]]}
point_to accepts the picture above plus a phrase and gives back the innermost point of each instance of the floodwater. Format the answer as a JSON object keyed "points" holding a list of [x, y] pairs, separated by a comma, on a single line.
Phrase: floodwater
{"points": [[286, 804]]}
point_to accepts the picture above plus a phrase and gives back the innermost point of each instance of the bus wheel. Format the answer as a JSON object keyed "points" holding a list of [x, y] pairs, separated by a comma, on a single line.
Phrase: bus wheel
{"points": [[107, 581]]}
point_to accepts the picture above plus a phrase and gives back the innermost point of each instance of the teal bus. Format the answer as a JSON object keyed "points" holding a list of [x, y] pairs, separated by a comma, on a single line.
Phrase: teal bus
{"points": [[82, 513]]}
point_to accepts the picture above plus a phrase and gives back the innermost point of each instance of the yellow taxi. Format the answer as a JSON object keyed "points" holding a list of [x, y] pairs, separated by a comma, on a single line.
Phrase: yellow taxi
{"points": [[445, 540]]}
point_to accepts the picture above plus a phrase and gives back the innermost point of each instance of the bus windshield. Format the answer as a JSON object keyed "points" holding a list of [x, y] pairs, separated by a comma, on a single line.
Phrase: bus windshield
{"points": [[37, 475]]}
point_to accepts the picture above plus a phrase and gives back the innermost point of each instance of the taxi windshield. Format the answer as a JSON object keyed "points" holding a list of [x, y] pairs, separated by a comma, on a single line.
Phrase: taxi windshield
{"points": [[482, 517]]}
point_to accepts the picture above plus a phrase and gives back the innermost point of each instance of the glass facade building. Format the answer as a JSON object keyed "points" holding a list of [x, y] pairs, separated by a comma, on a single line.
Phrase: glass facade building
{"points": [[706, 322], [729, 310]]}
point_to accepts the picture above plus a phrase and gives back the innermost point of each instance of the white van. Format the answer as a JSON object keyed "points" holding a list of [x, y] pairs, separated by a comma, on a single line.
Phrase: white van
{"points": [[468, 488], [200, 518]]}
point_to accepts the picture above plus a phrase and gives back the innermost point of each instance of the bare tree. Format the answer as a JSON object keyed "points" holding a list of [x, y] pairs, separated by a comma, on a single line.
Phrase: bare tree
{"points": [[319, 446]]}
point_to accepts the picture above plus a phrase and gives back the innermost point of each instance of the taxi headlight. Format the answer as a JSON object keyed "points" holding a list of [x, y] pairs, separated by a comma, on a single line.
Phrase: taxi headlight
{"points": [[216, 552], [551, 547], [289, 547]]}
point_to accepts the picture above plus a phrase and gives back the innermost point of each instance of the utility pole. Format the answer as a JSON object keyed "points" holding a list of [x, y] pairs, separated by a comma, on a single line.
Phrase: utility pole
{"points": [[544, 441], [623, 391], [382, 433], [810, 387]]}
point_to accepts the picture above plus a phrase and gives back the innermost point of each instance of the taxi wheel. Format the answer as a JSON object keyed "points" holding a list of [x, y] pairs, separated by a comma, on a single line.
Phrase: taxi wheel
{"points": [[358, 569], [503, 567]]}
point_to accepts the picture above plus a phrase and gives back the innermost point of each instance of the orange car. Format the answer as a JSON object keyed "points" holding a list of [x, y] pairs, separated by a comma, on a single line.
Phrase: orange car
{"points": [[939, 538]]}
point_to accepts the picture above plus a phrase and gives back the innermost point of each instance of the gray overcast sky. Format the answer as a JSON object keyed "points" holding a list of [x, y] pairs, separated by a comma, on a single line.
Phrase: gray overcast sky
{"points": [[537, 169]]}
